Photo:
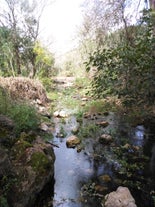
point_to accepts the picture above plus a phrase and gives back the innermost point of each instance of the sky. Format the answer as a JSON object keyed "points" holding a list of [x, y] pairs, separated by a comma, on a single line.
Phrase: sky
{"points": [[59, 24]]}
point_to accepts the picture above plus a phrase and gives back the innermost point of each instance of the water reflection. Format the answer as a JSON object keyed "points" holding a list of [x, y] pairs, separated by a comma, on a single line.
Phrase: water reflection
{"points": [[71, 169], [137, 135]]}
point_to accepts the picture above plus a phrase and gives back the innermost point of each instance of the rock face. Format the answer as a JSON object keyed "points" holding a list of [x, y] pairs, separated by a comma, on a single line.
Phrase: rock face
{"points": [[26, 167], [120, 198], [34, 168], [5, 165], [72, 141]]}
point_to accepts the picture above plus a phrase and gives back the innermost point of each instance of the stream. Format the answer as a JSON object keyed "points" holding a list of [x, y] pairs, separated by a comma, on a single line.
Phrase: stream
{"points": [[83, 178], [77, 172], [72, 169]]}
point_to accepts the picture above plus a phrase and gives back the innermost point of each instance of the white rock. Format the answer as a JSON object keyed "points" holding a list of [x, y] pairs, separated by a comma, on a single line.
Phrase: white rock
{"points": [[120, 198]]}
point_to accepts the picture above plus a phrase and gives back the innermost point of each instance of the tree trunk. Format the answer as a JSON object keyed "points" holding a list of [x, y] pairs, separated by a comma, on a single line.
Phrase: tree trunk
{"points": [[17, 60], [33, 62]]}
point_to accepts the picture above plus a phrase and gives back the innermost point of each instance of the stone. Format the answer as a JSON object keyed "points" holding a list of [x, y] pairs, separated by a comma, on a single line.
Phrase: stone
{"points": [[83, 104], [86, 115], [105, 139], [84, 99], [103, 123], [34, 169], [126, 146], [75, 129], [63, 114], [104, 179], [56, 113], [72, 141], [80, 148], [60, 114], [44, 127], [119, 198]]}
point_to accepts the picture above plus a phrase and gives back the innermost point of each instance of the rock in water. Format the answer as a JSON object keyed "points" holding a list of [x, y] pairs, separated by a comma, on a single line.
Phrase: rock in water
{"points": [[72, 141], [120, 198]]}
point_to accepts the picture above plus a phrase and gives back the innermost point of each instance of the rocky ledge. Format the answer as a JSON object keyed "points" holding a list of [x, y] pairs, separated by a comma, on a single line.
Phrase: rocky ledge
{"points": [[26, 167]]}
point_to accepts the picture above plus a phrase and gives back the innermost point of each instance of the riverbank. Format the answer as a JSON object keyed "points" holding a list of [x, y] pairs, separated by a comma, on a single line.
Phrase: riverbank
{"points": [[27, 161]]}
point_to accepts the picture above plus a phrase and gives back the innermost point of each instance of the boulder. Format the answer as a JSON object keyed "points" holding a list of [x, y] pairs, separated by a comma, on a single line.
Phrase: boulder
{"points": [[34, 168], [105, 139], [103, 123], [119, 198], [60, 114], [72, 141]]}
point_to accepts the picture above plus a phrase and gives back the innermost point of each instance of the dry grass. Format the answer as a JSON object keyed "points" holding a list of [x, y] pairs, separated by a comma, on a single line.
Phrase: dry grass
{"points": [[20, 88]]}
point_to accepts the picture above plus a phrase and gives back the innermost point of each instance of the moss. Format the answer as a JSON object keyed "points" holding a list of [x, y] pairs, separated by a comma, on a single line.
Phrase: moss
{"points": [[30, 137], [20, 147], [39, 162]]}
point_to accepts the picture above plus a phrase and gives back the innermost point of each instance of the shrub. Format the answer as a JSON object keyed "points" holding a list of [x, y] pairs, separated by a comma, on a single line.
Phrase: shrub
{"points": [[24, 116]]}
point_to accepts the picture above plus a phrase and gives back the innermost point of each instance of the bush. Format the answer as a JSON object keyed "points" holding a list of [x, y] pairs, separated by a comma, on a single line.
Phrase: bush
{"points": [[24, 116]]}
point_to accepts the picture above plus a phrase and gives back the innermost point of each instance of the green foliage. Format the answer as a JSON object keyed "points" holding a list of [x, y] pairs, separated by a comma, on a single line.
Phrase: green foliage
{"points": [[24, 116], [89, 130], [97, 106], [3, 202], [79, 116], [7, 182], [62, 132], [127, 70], [39, 162], [132, 164], [47, 83], [44, 60]]}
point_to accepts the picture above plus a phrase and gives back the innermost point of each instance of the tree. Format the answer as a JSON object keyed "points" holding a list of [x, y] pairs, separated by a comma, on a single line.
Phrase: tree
{"points": [[6, 55], [127, 70], [22, 19], [101, 19]]}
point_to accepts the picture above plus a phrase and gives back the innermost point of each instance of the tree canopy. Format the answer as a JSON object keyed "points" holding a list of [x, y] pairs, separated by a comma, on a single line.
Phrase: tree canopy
{"points": [[19, 30], [122, 52]]}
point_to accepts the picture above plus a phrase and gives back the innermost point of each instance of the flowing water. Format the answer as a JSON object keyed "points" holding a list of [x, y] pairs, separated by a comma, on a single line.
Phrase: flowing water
{"points": [[76, 173], [73, 169]]}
